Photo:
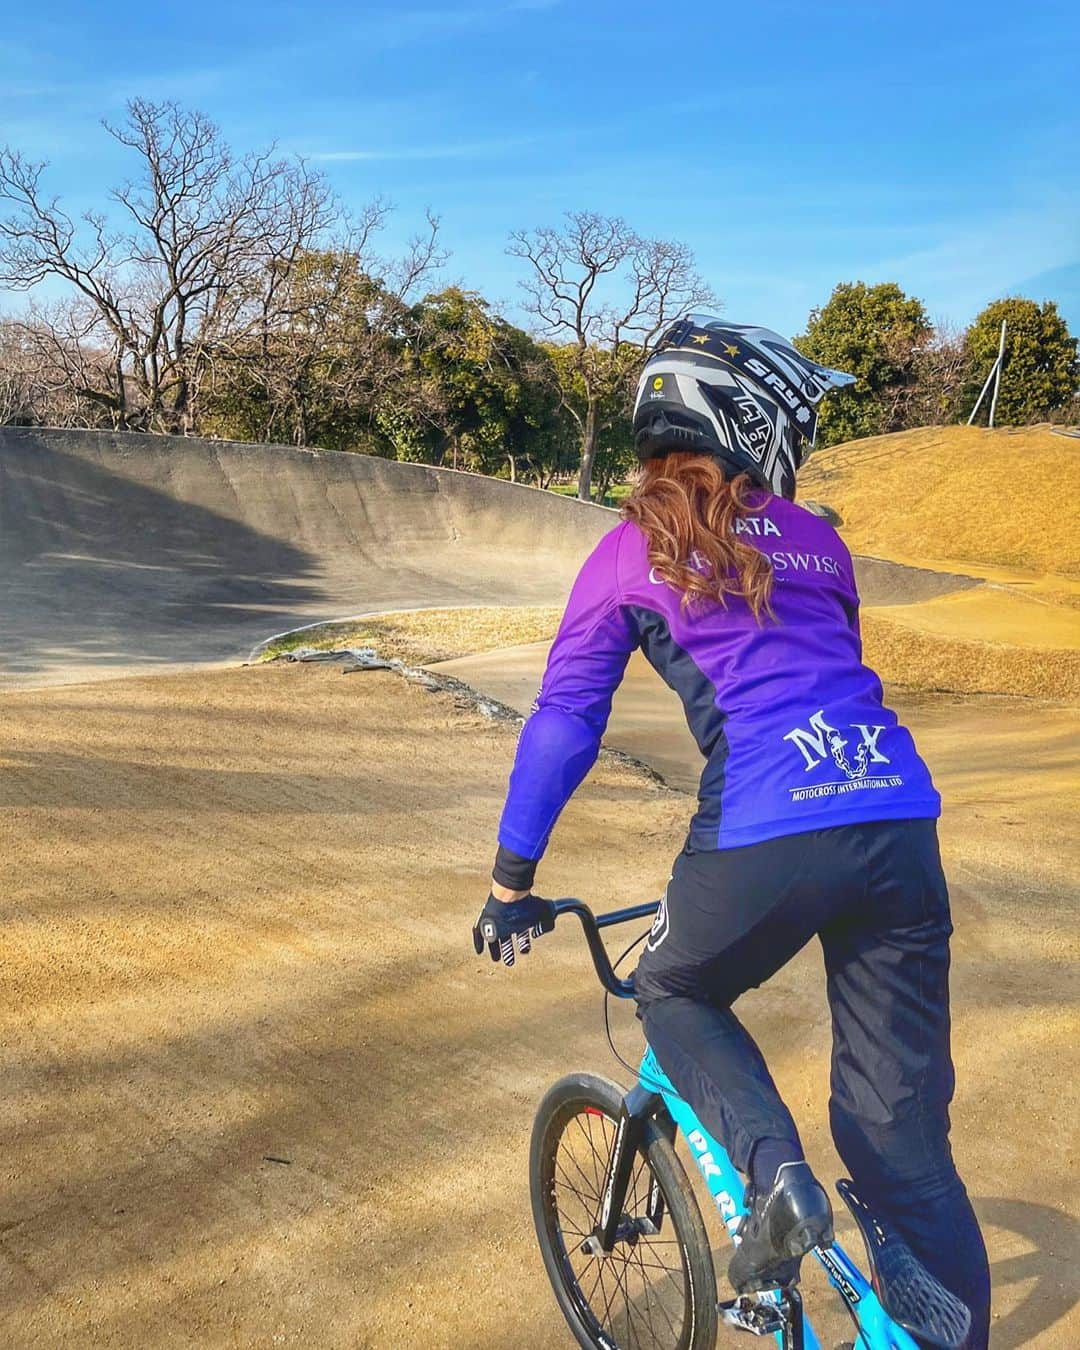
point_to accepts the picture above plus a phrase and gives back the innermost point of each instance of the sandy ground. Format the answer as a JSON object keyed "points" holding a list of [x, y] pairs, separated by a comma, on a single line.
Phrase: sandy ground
{"points": [[1004, 643], [946, 499], [420, 636], [236, 913]]}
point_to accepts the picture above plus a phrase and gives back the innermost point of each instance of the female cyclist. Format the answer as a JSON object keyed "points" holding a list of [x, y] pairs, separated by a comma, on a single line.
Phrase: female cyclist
{"points": [[816, 816]]}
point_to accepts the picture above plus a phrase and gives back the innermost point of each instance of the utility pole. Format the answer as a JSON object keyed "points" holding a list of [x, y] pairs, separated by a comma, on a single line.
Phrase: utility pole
{"points": [[997, 382], [995, 374]]}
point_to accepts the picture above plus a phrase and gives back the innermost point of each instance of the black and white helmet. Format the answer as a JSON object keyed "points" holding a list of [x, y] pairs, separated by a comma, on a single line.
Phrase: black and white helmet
{"points": [[741, 393]]}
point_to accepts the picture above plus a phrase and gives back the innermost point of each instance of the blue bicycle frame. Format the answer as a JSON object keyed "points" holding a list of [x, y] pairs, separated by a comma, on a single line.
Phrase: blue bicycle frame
{"points": [[876, 1329]]}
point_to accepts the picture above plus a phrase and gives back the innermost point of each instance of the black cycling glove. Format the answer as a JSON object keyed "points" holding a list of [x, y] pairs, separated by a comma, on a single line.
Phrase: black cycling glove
{"points": [[501, 922]]}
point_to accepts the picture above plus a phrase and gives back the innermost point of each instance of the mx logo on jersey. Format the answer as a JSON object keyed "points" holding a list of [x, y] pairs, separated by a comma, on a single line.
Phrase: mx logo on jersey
{"points": [[819, 741]]}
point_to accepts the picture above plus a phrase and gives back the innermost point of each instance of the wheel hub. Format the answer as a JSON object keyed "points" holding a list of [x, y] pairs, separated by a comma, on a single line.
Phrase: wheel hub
{"points": [[628, 1231]]}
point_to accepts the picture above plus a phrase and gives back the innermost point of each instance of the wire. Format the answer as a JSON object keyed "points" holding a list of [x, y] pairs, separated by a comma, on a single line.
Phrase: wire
{"points": [[607, 996]]}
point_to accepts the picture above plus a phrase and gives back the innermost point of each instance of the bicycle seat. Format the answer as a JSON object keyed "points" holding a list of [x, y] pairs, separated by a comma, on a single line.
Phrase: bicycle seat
{"points": [[906, 1289]]}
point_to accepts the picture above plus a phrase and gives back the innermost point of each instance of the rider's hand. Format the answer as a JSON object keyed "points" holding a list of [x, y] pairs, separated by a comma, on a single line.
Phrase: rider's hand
{"points": [[504, 922]]}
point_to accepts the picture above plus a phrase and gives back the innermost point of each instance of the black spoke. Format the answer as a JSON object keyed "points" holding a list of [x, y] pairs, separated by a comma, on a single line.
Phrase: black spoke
{"points": [[599, 1164], [625, 1284], [604, 1321], [572, 1186], [597, 1283], [594, 1194], [653, 1265], [646, 1283], [660, 1303]]}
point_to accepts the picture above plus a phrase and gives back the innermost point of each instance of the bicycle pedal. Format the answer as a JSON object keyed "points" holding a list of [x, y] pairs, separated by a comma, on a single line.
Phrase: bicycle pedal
{"points": [[760, 1316]]}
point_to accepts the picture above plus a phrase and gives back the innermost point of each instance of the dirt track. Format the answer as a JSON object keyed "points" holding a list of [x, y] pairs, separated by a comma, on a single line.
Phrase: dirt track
{"points": [[235, 929]]}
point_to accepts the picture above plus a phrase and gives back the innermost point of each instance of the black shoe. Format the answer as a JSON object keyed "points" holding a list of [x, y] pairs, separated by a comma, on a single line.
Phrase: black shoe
{"points": [[782, 1226]]}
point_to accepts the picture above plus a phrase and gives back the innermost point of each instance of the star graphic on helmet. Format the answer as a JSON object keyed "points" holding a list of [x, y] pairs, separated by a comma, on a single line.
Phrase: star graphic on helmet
{"points": [[701, 339], [731, 349]]}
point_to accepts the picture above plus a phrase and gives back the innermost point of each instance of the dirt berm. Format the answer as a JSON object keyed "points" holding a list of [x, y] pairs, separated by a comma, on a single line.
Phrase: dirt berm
{"points": [[127, 553]]}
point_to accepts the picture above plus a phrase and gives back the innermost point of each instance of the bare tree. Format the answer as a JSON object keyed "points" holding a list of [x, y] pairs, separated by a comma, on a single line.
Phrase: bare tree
{"points": [[201, 234], [323, 342], [20, 383], [943, 368], [609, 294], [50, 370], [930, 368]]}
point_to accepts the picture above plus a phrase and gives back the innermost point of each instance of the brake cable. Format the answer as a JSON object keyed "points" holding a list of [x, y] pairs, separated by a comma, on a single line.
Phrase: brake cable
{"points": [[607, 995]]}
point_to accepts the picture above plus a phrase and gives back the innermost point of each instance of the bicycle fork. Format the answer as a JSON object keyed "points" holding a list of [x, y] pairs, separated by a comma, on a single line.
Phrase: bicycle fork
{"points": [[638, 1107], [760, 1314]]}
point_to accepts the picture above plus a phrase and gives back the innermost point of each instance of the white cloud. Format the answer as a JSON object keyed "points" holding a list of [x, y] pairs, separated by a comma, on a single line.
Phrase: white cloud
{"points": [[964, 265], [454, 150]]}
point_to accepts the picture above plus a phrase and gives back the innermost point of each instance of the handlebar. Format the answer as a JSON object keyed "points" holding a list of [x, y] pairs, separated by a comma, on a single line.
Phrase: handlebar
{"points": [[591, 926]]}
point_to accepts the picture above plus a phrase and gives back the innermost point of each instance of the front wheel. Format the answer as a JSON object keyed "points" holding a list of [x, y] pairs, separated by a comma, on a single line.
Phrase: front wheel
{"points": [[656, 1289]]}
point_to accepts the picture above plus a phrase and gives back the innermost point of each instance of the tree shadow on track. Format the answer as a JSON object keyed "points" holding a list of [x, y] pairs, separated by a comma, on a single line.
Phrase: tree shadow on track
{"points": [[55, 780], [173, 1193], [182, 1220], [100, 568], [1049, 1267]]}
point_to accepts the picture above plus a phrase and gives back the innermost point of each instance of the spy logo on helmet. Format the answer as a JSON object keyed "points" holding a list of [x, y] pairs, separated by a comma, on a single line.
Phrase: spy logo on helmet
{"points": [[752, 426]]}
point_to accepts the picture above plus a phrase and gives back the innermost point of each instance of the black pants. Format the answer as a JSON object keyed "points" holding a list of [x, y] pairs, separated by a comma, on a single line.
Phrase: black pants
{"points": [[875, 896]]}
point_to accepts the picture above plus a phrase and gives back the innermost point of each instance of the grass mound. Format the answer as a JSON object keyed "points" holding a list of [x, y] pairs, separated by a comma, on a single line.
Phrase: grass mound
{"points": [[998, 498], [932, 662], [423, 636]]}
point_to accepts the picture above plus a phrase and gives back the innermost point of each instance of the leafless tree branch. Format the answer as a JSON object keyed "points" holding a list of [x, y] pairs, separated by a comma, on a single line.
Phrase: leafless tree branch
{"points": [[608, 292]]}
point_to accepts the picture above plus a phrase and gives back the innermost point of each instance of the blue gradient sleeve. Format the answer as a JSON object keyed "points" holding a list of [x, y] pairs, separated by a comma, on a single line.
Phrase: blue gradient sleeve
{"points": [[560, 741]]}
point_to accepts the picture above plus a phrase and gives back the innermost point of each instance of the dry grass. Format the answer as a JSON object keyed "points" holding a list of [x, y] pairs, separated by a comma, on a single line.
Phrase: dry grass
{"points": [[902, 655], [423, 636], [926, 662], [1004, 498]]}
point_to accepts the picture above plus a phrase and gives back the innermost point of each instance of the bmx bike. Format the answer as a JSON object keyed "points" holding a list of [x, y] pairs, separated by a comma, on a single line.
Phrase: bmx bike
{"points": [[624, 1243]]}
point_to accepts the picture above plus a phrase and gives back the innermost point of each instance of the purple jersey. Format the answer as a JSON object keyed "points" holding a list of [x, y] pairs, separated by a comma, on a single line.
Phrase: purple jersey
{"points": [[791, 723]]}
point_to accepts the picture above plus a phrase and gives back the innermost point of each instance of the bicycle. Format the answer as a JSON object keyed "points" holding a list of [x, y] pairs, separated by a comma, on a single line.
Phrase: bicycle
{"points": [[636, 1217]]}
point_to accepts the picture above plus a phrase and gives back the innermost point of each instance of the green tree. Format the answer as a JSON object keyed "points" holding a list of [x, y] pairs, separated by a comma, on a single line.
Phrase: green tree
{"points": [[1040, 374], [613, 378], [312, 370], [481, 393], [878, 334]]}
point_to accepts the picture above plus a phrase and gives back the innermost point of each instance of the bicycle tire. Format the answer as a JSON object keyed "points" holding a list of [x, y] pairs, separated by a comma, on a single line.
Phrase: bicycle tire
{"points": [[583, 1097]]}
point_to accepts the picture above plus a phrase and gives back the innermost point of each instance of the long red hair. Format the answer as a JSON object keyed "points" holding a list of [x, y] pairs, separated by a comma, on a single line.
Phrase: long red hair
{"points": [[687, 508]]}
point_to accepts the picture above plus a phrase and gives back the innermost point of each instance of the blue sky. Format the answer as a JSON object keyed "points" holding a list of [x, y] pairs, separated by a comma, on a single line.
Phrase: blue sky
{"points": [[791, 145]]}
